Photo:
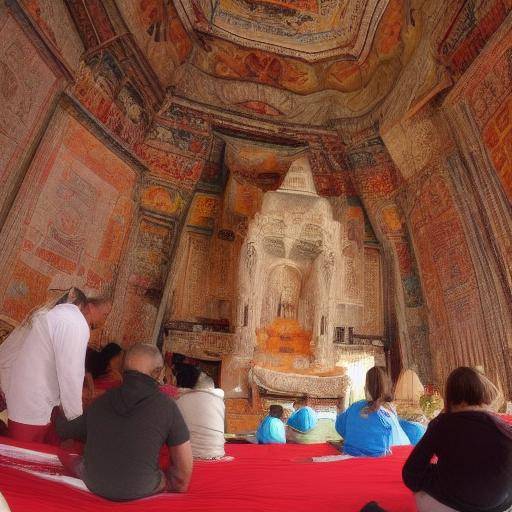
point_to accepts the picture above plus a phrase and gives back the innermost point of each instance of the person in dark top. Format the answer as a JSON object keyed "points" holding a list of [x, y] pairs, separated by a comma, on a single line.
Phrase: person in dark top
{"points": [[124, 430], [464, 460]]}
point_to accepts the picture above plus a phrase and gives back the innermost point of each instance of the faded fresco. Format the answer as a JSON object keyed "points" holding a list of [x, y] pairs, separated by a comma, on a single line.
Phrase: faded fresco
{"points": [[27, 86], [54, 20], [75, 226]]}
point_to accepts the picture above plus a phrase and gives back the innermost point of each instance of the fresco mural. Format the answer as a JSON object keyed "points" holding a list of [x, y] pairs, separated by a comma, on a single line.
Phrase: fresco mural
{"points": [[466, 29], [54, 20], [309, 30], [27, 87], [162, 200], [159, 32], [75, 225], [450, 282]]}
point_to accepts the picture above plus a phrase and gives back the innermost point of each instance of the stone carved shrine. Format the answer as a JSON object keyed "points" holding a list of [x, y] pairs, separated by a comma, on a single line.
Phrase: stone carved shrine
{"points": [[288, 192]]}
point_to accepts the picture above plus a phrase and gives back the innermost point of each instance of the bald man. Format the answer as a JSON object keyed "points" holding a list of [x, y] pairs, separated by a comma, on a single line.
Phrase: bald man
{"points": [[124, 430]]}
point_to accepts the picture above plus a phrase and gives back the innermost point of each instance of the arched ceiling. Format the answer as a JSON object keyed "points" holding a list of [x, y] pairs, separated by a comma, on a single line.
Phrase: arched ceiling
{"points": [[308, 29], [352, 49]]}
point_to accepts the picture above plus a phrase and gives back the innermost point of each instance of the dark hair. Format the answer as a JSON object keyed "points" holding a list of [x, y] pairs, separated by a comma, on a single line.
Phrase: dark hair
{"points": [[468, 385], [187, 375], [378, 386], [177, 358], [96, 363], [276, 411]]}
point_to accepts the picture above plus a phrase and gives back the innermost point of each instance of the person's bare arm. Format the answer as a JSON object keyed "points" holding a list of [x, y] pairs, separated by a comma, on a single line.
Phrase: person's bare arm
{"points": [[180, 470], [88, 394]]}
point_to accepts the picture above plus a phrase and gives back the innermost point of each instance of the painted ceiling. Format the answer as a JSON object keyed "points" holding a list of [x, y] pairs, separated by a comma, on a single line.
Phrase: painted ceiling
{"points": [[318, 63], [276, 57], [308, 29]]}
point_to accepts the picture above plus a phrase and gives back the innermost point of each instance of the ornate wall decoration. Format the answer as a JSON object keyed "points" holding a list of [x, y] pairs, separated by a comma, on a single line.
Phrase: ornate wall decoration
{"points": [[195, 278], [203, 211], [467, 28], [102, 87], [378, 192], [76, 219], [449, 280], [309, 30], [373, 319], [27, 86], [148, 268], [55, 23], [162, 200], [159, 33]]}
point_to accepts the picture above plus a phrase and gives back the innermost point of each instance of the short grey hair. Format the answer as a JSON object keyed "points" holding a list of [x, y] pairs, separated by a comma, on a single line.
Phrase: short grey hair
{"points": [[144, 351]]}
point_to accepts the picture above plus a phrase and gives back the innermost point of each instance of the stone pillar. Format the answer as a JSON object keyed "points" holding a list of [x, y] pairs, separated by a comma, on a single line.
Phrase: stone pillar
{"points": [[377, 182]]}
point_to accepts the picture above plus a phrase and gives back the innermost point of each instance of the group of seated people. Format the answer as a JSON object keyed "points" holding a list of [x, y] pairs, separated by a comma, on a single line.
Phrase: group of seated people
{"points": [[187, 415], [134, 403], [369, 428], [461, 462], [183, 381]]}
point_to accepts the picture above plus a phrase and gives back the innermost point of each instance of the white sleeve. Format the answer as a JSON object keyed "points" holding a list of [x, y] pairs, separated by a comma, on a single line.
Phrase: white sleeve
{"points": [[70, 344]]}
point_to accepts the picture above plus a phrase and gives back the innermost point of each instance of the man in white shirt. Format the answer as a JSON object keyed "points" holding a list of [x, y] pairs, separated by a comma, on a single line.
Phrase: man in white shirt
{"points": [[42, 364]]}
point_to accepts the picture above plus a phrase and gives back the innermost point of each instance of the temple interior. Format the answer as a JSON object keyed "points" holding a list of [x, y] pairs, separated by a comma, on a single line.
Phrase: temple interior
{"points": [[287, 191]]}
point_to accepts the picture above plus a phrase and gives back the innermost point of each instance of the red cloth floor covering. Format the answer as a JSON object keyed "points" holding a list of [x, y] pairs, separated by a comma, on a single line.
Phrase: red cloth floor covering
{"points": [[261, 478]]}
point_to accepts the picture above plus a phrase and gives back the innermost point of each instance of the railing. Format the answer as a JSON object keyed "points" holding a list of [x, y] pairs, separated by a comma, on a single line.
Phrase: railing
{"points": [[341, 338]]}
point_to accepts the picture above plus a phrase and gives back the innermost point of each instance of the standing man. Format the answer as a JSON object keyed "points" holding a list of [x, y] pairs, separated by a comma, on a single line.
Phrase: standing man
{"points": [[42, 363], [124, 430]]}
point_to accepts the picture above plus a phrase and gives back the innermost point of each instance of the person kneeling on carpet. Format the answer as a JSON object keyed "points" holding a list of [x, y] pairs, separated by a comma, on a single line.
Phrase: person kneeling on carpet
{"points": [[370, 427], [301, 421], [472, 468], [202, 407], [271, 430], [124, 430]]}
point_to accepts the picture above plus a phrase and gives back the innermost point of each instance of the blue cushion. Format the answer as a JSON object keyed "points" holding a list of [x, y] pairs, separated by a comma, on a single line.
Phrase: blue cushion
{"points": [[365, 434], [271, 430], [303, 419], [413, 430]]}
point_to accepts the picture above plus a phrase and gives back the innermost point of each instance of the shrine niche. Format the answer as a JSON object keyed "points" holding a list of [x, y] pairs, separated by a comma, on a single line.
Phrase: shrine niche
{"points": [[300, 294]]}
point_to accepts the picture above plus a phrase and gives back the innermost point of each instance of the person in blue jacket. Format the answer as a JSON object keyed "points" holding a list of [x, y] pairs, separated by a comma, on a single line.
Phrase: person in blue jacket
{"points": [[304, 418], [371, 427], [271, 430]]}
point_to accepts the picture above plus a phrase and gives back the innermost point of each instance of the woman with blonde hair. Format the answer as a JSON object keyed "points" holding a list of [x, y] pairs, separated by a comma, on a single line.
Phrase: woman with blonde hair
{"points": [[464, 461]]}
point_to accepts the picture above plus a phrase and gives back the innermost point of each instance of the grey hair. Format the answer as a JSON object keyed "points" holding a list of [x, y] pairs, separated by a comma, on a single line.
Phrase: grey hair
{"points": [[144, 350]]}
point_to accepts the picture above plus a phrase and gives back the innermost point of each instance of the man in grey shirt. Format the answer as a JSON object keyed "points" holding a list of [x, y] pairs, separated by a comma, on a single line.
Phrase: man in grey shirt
{"points": [[124, 430]]}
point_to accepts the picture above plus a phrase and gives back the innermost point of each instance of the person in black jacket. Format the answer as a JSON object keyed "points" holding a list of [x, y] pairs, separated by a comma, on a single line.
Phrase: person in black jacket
{"points": [[464, 460], [124, 430]]}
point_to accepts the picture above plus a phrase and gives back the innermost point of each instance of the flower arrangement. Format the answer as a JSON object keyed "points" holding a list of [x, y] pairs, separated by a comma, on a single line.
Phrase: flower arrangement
{"points": [[431, 402]]}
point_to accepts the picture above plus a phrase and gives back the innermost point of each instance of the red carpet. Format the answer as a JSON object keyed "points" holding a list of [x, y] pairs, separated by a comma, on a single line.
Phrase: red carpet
{"points": [[261, 478]]}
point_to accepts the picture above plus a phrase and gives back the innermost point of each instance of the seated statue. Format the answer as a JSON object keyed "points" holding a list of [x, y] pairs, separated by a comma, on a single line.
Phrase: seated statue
{"points": [[271, 430], [202, 407], [371, 427]]}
